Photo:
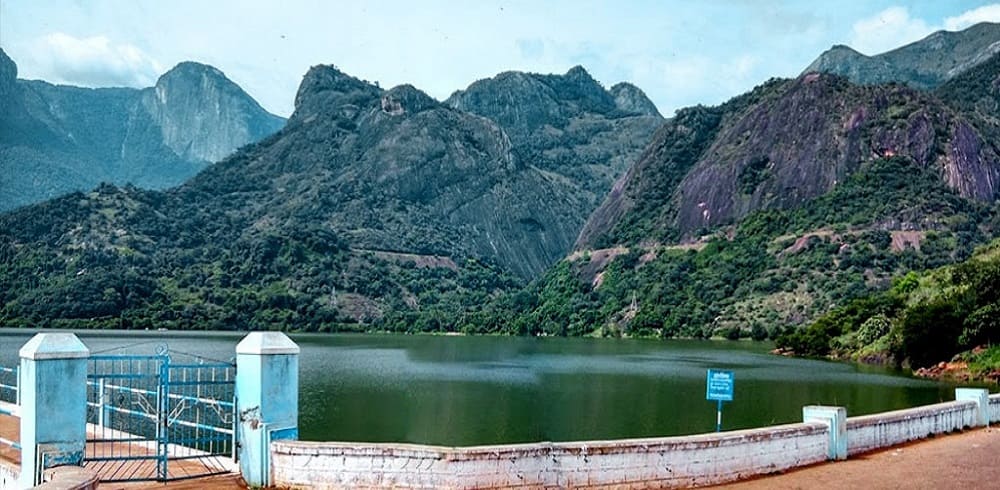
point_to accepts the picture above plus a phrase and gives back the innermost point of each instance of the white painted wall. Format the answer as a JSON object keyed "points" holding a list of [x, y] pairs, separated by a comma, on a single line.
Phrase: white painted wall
{"points": [[869, 432], [672, 462]]}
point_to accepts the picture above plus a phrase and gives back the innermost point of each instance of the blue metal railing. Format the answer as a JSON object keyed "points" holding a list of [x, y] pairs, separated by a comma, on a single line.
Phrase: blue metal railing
{"points": [[170, 410], [10, 391]]}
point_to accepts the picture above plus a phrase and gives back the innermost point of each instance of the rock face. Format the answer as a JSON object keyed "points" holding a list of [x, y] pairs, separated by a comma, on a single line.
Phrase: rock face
{"points": [[782, 145], [924, 64], [8, 77], [57, 139], [568, 126], [398, 171], [630, 98], [202, 115]]}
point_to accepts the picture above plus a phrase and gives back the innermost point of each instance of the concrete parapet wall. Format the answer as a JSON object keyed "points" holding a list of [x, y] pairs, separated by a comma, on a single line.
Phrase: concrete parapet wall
{"points": [[870, 432], [995, 408], [672, 462]]}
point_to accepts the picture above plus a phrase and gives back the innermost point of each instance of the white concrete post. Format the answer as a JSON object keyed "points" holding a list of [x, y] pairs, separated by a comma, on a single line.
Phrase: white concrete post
{"points": [[267, 398], [54, 404], [982, 398], [836, 419]]}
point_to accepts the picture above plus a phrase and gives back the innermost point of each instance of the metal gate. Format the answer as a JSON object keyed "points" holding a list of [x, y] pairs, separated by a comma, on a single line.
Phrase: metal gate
{"points": [[161, 417]]}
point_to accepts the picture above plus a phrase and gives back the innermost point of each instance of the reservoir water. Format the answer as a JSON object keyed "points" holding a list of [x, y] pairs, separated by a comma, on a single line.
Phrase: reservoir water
{"points": [[485, 390]]}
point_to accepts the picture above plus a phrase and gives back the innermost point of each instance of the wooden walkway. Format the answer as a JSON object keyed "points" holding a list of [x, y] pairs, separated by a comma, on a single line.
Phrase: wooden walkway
{"points": [[10, 428]]}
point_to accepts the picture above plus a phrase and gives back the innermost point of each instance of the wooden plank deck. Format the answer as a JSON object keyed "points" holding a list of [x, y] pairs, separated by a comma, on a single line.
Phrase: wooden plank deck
{"points": [[10, 428]]}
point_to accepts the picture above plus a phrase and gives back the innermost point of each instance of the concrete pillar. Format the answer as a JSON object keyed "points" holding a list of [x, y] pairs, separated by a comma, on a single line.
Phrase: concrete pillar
{"points": [[836, 419], [267, 399], [982, 398], [53, 404]]}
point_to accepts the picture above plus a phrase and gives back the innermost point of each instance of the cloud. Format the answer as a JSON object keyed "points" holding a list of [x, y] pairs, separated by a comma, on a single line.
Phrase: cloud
{"points": [[531, 49], [92, 62], [888, 29], [986, 13]]}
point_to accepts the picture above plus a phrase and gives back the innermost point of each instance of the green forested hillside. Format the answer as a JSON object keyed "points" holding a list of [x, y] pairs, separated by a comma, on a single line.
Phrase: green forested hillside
{"points": [[774, 270], [923, 319], [163, 267]]}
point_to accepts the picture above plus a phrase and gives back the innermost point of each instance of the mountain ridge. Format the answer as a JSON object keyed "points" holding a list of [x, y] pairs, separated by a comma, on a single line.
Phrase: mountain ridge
{"points": [[58, 138], [794, 145], [923, 64]]}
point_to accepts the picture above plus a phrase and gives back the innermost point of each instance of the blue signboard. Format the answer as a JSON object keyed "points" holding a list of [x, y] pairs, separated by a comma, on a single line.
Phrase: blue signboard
{"points": [[719, 386]]}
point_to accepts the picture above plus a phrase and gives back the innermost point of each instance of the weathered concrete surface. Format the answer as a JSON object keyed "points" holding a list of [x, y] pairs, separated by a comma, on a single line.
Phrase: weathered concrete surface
{"points": [[870, 432], [267, 394], [673, 462], [966, 460], [995, 408], [53, 388], [9, 474]]}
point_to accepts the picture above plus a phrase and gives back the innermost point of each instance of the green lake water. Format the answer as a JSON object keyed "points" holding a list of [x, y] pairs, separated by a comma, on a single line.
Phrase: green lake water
{"points": [[486, 390]]}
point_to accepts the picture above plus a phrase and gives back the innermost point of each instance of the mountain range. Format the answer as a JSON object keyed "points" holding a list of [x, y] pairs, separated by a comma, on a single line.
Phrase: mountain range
{"points": [[541, 204], [923, 64], [777, 206], [361, 188], [55, 139]]}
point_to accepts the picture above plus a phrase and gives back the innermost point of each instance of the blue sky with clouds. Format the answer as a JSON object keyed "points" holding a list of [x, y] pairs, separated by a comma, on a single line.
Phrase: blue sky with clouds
{"points": [[680, 52]]}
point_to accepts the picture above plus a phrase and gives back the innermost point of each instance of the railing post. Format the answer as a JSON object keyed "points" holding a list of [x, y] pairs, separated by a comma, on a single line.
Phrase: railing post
{"points": [[836, 419], [53, 389], [102, 409], [163, 418], [267, 396]]}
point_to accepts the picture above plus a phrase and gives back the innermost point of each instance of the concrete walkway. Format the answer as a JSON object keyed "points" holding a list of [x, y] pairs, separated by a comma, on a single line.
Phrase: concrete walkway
{"points": [[970, 459]]}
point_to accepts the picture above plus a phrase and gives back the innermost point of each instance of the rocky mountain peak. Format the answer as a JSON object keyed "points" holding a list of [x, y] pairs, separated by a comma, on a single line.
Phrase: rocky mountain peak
{"points": [[203, 115], [580, 74], [8, 69], [192, 70], [923, 64], [580, 90], [630, 98], [190, 79], [406, 99], [55, 139], [839, 59], [324, 87], [843, 49], [8, 74]]}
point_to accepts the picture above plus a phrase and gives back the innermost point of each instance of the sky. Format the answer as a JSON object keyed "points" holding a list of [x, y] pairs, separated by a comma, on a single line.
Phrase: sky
{"points": [[681, 53]]}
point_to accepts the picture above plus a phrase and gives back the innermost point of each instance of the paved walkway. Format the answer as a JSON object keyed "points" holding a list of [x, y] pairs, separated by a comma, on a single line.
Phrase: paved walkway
{"points": [[970, 460]]}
